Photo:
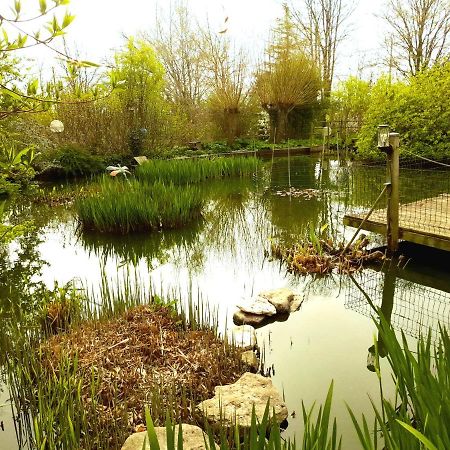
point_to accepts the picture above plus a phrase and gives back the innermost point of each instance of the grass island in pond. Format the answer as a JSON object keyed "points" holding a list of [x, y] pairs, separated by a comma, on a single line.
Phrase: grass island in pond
{"points": [[163, 195]]}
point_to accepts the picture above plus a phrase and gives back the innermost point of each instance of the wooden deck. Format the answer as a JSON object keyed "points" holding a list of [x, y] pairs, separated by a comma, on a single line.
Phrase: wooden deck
{"points": [[425, 222]]}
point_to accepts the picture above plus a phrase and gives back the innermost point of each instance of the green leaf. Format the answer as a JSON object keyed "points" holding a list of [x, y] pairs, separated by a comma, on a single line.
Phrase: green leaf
{"points": [[425, 441], [152, 438], [42, 6], [68, 19]]}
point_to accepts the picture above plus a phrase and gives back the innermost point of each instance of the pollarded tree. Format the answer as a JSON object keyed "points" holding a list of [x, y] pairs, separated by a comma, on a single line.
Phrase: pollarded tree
{"points": [[285, 84], [228, 84], [420, 33], [289, 78]]}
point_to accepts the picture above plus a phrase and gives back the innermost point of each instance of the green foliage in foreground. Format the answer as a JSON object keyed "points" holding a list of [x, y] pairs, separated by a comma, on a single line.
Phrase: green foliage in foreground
{"points": [[420, 416], [419, 110], [262, 435], [123, 206], [190, 171]]}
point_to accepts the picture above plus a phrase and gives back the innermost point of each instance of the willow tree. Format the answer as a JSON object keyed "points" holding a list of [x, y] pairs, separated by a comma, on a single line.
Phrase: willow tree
{"points": [[286, 84], [228, 72]]}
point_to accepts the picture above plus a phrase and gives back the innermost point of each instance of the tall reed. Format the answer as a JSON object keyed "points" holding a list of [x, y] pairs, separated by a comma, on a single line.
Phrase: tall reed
{"points": [[123, 206], [419, 416], [190, 171]]}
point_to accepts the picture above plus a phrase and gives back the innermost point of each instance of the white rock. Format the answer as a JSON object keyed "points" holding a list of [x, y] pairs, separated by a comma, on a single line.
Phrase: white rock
{"points": [[257, 305], [193, 439], [243, 336], [235, 402], [281, 299]]}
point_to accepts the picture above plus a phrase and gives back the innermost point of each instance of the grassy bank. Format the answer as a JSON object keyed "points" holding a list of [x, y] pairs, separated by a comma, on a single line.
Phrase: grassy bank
{"points": [[191, 171], [123, 206]]}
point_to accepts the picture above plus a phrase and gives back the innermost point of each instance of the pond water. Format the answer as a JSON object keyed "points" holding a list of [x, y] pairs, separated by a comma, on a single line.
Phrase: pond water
{"points": [[222, 259]]}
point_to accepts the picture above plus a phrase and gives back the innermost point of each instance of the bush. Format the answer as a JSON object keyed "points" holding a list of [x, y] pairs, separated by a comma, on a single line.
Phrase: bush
{"points": [[76, 161], [418, 110]]}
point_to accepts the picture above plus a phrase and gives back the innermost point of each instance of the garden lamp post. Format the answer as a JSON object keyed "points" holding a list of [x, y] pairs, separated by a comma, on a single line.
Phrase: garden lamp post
{"points": [[388, 143]]}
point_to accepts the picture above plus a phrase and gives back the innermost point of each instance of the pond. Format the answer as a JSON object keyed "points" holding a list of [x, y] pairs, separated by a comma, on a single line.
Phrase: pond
{"points": [[223, 258]]}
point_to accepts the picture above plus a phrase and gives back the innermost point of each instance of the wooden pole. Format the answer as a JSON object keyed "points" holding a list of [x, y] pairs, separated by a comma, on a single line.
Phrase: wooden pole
{"points": [[393, 175]]}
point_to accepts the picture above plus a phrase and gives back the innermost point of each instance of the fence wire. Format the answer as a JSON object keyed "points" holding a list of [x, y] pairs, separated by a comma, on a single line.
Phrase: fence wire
{"points": [[410, 307]]}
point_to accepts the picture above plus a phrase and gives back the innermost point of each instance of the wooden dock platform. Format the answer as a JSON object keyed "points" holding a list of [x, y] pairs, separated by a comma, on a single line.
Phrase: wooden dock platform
{"points": [[425, 222]]}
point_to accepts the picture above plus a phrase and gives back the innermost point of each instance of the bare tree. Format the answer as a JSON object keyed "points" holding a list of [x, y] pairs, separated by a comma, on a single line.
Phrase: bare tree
{"points": [[322, 26], [420, 33], [179, 48]]}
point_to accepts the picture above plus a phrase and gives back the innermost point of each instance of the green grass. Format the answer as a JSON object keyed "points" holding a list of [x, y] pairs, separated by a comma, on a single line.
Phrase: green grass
{"points": [[123, 206], [191, 171]]}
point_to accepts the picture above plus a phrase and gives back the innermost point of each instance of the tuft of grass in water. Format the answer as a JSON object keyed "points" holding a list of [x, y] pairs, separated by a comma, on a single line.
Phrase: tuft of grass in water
{"points": [[191, 171], [123, 206]]}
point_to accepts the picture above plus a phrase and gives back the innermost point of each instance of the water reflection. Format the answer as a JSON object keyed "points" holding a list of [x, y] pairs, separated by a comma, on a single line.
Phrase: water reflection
{"points": [[222, 257]]}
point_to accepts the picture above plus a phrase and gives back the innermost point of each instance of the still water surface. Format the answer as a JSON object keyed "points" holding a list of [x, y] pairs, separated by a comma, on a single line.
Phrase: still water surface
{"points": [[222, 259]]}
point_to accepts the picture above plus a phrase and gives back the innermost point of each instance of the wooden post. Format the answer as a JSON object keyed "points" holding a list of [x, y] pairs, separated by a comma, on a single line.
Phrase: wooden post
{"points": [[393, 175]]}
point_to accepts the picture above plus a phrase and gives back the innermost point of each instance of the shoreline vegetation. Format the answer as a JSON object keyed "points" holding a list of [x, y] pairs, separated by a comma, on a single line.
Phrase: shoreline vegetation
{"points": [[83, 379]]}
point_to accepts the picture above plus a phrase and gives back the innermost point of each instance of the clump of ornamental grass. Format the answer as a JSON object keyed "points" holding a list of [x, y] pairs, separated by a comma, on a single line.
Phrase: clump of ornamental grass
{"points": [[322, 256], [191, 171], [123, 206]]}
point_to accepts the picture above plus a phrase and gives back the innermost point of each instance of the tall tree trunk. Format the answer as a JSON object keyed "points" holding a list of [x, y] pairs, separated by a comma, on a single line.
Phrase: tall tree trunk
{"points": [[282, 125], [231, 124]]}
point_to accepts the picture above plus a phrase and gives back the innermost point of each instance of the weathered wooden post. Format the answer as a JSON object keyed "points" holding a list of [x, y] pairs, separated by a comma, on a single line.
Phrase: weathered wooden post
{"points": [[393, 199], [389, 143]]}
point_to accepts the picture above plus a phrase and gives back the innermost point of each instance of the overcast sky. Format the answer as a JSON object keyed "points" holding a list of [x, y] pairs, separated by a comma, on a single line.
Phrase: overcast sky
{"points": [[100, 24]]}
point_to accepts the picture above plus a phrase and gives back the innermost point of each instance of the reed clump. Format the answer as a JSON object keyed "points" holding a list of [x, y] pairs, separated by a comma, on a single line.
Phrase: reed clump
{"points": [[123, 206], [192, 171]]}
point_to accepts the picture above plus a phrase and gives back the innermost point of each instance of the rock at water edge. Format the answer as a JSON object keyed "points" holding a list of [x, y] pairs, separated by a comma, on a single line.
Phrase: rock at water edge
{"points": [[281, 299], [243, 318], [235, 402], [257, 305], [193, 439]]}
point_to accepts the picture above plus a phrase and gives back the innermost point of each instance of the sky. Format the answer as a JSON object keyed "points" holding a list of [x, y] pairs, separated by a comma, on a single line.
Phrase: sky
{"points": [[100, 25]]}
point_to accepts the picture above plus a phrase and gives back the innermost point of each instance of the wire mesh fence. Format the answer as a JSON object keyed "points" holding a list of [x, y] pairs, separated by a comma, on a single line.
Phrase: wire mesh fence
{"points": [[410, 307]]}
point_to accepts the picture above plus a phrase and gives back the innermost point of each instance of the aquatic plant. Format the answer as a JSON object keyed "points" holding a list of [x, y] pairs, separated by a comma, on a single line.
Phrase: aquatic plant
{"points": [[419, 415], [122, 207], [190, 171], [321, 256]]}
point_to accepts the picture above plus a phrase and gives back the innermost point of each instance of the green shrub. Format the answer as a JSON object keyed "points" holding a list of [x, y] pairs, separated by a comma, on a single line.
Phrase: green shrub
{"points": [[123, 206], [76, 161], [418, 110], [190, 171]]}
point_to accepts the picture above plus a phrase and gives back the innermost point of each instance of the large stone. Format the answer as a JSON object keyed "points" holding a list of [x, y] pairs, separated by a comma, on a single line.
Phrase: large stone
{"points": [[235, 402], [193, 439], [243, 318], [243, 336], [257, 305], [282, 299]]}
